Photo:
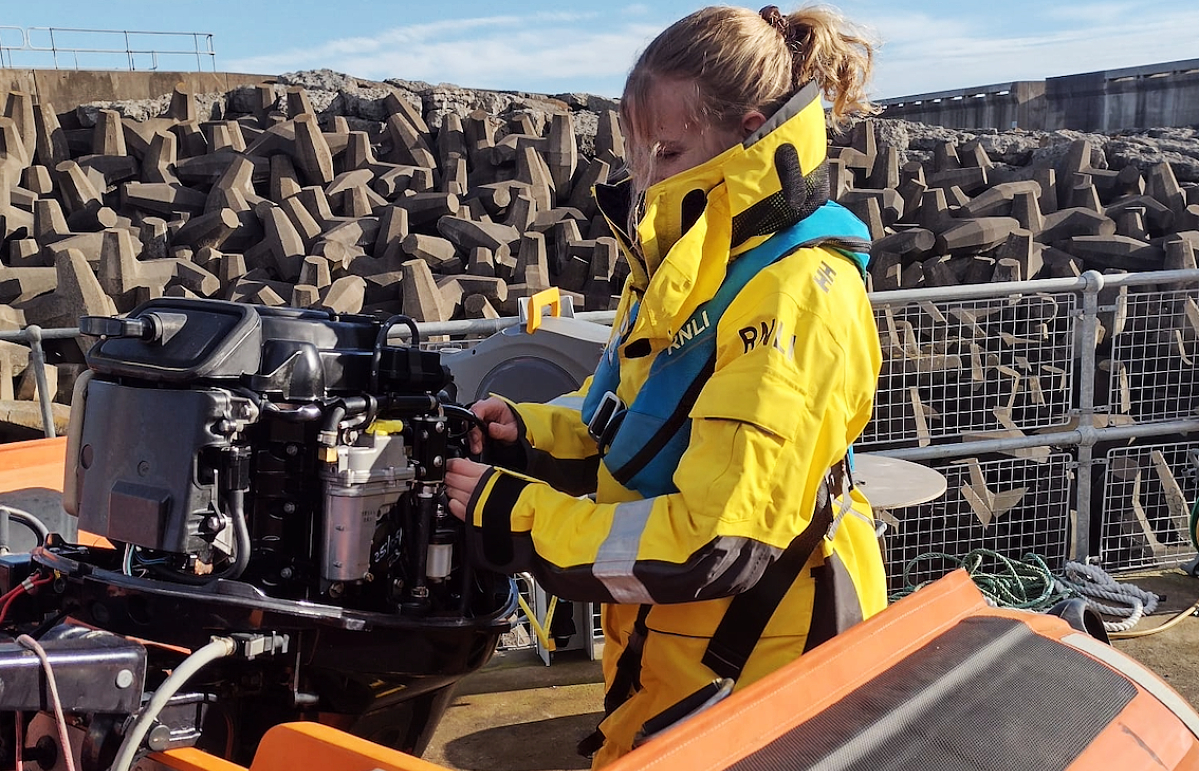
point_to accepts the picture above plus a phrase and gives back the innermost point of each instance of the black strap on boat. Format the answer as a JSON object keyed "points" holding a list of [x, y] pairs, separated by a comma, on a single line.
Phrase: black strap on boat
{"points": [[743, 623], [626, 680]]}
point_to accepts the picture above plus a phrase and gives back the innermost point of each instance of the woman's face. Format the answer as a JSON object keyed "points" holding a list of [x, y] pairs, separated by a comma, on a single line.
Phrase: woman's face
{"points": [[676, 141]]}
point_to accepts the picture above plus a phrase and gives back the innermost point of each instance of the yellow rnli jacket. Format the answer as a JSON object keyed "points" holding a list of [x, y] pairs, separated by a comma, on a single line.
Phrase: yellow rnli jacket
{"points": [[797, 361]]}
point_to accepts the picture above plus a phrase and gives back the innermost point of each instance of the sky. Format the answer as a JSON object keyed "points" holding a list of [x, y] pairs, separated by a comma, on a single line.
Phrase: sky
{"points": [[572, 46]]}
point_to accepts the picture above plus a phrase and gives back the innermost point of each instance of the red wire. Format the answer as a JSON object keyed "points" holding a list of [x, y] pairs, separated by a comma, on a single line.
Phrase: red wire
{"points": [[16, 592]]}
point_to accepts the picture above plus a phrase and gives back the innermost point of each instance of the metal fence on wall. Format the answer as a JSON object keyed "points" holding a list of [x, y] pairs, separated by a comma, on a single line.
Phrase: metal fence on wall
{"points": [[72, 48], [1058, 410]]}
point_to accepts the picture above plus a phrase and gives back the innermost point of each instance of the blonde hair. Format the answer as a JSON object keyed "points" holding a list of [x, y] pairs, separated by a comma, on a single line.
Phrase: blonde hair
{"points": [[740, 61]]}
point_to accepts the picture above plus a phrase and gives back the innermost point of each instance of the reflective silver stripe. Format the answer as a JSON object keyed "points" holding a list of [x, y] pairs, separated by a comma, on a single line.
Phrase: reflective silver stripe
{"points": [[1143, 677], [569, 402], [618, 553]]}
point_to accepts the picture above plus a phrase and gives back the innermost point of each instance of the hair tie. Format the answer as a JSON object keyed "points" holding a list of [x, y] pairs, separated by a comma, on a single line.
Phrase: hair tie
{"points": [[772, 16]]}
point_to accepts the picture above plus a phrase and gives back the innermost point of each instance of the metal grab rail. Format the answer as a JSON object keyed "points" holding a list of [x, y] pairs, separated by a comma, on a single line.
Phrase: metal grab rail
{"points": [[33, 335], [202, 46]]}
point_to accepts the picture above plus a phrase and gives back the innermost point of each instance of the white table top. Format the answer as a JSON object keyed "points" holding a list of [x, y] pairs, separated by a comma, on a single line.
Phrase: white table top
{"points": [[891, 483]]}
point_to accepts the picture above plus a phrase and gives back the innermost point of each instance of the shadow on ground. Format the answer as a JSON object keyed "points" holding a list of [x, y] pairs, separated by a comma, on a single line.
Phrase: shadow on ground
{"points": [[540, 745]]}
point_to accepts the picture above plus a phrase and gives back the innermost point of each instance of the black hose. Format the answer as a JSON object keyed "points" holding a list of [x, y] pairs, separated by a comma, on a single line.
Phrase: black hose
{"points": [[328, 433], [303, 414], [467, 415], [241, 535], [381, 340], [235, 508]]}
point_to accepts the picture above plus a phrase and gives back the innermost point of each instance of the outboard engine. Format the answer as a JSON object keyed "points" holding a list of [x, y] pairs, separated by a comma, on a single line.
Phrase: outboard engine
{"points": [[278, 474]]}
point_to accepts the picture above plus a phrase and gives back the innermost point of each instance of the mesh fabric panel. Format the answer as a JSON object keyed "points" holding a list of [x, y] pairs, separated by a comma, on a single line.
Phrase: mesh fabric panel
{"points": [[987, 695]]}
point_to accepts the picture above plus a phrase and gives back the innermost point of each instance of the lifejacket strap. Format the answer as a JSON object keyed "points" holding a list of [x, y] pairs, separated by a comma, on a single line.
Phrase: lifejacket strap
{"points": [[748, 614]]}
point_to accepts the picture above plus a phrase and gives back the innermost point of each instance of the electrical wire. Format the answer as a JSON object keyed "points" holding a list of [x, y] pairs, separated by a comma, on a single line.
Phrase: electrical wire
{"points": [[25, 587], [219, 648], [63, 739], [32, 523]]}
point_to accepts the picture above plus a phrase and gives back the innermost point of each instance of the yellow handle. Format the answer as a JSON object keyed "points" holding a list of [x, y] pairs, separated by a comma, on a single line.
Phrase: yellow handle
{"points": [[541, 630], [545, 298]]}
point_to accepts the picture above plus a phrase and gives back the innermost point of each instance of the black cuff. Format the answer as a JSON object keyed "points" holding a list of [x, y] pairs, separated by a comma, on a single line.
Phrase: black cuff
{"points": [[495, 519]]}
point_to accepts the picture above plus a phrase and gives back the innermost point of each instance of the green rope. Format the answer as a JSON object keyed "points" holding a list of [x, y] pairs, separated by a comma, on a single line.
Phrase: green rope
{"points": [[1007, 582]]}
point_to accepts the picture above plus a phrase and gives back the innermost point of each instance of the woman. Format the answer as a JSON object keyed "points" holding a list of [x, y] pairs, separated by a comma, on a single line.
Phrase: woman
{"points": [[723, 534]]}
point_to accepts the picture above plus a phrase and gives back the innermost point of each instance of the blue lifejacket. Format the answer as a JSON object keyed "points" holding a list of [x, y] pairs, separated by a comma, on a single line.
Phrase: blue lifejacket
{"points": [[643, 442]]}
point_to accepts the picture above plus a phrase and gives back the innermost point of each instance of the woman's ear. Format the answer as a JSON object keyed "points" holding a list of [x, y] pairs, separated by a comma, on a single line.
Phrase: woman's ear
{"points": [[751, 122]]}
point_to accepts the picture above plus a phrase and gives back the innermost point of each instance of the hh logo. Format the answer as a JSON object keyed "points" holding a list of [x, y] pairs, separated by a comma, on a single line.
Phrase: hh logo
{"points": [[691, 329], [825, 276], [770, 333]]}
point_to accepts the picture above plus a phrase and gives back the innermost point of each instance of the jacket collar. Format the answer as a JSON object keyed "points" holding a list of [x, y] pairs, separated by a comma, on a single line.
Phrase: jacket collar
{"points": [[694, 221]]}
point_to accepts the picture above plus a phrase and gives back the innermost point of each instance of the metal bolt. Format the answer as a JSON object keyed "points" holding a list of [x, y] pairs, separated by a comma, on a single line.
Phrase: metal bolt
{"points": [[143, 468], [292, 450], [124, 679], [289, 508], [286, 573], [159, 738], [438, 461]]}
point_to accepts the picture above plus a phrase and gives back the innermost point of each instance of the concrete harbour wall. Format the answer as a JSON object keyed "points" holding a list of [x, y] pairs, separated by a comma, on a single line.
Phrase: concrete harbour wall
{"points": [[1153, 96], [67, 88]]}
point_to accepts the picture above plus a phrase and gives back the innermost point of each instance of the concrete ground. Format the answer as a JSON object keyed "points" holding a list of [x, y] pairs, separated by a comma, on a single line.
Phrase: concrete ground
{"points": [[516, 714]]}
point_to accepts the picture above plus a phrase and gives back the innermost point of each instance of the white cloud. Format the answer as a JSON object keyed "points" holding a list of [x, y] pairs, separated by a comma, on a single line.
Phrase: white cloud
{"points": [[921, 54], [542, 52]]}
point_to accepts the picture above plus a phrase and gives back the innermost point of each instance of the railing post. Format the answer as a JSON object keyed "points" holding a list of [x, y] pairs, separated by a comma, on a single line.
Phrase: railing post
{"points": [[37, 360], [1088, 339]]}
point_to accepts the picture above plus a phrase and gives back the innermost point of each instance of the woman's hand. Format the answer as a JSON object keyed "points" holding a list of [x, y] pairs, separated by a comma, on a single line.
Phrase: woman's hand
{"points": [[461, 478], [499, 419]]}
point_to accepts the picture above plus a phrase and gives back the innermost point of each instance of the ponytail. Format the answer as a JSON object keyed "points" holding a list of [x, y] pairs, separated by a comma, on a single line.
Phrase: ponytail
{"points": [[834, 54], [742, 61]]}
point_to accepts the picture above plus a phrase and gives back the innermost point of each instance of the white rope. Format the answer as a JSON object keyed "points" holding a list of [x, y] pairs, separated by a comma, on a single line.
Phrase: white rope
{"points": [[64, 738], [1094, 585]]}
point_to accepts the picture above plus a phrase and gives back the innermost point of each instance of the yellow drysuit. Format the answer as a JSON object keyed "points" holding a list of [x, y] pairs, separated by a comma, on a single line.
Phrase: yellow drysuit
{"points": [[797, 361]]}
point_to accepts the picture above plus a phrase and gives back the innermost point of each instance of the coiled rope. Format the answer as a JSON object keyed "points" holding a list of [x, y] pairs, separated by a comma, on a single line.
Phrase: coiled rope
{"points": [[1100, 591], [1026, 584], [1029, 584]]}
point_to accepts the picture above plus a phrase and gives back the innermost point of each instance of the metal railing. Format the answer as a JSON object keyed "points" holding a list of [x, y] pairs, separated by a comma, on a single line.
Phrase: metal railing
{"points": [[62, 47], [1076, 410]]}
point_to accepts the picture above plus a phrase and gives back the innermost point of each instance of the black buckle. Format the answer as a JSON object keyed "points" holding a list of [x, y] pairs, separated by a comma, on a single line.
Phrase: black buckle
{"points": [[607, 416]]}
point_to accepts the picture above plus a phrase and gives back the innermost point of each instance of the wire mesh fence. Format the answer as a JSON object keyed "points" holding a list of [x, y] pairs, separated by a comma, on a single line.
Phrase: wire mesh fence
{"points": [[1148, 493], [1152, 373], [1012, 506], [974, 367]]}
